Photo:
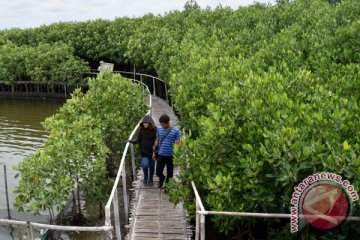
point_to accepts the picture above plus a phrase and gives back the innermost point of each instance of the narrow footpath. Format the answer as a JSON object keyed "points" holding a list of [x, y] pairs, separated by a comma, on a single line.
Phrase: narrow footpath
{"points": [[153, 216]]}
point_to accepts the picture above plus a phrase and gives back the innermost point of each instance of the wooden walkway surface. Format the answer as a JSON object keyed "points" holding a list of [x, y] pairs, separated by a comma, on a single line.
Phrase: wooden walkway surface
{"points": [[152, 215]]}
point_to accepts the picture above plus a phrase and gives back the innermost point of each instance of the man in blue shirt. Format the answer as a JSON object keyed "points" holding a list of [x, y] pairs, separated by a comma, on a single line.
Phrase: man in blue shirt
{"points": [[166, 137]]}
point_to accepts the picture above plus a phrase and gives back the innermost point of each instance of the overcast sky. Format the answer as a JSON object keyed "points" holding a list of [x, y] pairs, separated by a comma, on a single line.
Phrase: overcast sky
{"points": [[33, 13]]}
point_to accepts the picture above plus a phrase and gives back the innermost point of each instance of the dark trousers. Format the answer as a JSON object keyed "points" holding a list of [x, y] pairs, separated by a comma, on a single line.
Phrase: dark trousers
{"points": [[147, 165], [160, 165]]}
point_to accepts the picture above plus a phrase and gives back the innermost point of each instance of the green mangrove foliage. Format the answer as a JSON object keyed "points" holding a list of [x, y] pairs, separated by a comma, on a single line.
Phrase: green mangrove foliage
{"points": [[268, 93], [85, 137], [266, 113], [44, 63], [92, 40]]}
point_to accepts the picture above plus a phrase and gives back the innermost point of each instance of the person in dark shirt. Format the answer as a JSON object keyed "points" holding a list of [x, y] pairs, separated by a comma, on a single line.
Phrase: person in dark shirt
{"points": [[146, 138]]}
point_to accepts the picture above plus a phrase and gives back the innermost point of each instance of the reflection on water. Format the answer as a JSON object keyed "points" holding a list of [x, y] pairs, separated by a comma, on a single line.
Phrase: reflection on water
{"points": [[21, 134]]}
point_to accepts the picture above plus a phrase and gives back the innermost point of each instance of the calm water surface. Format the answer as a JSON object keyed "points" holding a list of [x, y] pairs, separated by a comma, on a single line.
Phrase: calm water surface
{"points": [[21, 133]]}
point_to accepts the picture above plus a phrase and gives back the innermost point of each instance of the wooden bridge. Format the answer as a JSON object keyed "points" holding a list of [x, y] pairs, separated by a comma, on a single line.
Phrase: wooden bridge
{"points": [[152, 215]]}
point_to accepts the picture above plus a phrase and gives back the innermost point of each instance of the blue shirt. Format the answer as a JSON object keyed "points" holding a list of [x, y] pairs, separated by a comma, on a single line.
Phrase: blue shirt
{"points": [[166, 147]]}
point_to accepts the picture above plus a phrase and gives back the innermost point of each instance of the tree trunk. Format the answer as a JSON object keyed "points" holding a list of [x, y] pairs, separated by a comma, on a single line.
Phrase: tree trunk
{"points": [[51, 217], [78, 198], [100, 210], [110, 164], [65, 90], [73, 197]]}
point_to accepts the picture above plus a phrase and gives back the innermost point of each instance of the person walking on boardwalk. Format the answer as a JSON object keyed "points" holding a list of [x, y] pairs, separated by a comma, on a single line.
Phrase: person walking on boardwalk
{"points": [[146, 138], [166, 137]]}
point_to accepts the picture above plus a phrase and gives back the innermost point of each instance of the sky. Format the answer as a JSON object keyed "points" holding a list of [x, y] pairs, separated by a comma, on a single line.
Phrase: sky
{"points": [[33, 13]]}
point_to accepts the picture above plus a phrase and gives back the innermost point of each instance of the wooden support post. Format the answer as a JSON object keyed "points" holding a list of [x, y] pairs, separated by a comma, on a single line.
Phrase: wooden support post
{"points": [[202, 228], [154, 87], [116, 215], [166, 94], [150, 105], [7, 193], [133, 161], [197, 223], [30, 234], [20, 232], [126, 203], [109, 235]]}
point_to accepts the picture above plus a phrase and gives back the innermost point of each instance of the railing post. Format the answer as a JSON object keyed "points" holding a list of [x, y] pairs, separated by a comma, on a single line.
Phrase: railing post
{"points": [[197, 223], [21, 232], [108, 220], [202, 213], [202, 228], [133, 161], [154, 87], [166, 93], [109, 235], [126, 203], [150, 106], [29, 234], [141, 80], [6, 192], [116, 216]]}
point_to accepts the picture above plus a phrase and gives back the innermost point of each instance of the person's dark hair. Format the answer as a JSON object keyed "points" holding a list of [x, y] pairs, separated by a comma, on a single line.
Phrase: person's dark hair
{"points": [[164, 119], [151, 126]]}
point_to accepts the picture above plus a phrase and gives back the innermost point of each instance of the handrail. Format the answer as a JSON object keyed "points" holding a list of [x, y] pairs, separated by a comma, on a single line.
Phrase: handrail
{"points": [[56, 227], [197, 196], [141, 74], [121, 167], [201, 213], [113, 195]]}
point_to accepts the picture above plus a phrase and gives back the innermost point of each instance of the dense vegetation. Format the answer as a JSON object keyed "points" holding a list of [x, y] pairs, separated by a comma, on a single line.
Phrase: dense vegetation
{"points": [[268, 94], [45, 63], [85, 137]]}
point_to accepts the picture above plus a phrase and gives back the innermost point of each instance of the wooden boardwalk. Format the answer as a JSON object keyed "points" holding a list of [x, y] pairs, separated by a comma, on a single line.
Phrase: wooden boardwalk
{"points": [[152, 215]]}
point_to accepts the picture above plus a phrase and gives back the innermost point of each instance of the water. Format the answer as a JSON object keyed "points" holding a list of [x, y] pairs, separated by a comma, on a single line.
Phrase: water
{"points": [[21, 133]]}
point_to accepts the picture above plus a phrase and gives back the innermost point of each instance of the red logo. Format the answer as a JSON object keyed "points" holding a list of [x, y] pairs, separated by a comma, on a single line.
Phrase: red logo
{"points": [[325, 206]]}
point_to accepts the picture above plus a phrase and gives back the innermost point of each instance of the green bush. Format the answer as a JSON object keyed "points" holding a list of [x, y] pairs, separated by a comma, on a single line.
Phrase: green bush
{"points": [[86, 135]]}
